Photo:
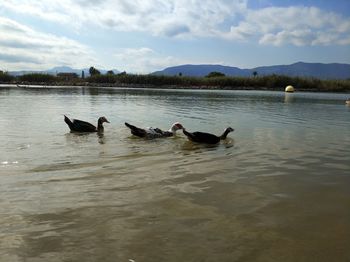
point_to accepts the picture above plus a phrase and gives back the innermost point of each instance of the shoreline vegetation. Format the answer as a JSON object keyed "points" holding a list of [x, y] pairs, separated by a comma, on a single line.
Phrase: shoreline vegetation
{"points": [[213, 81]]}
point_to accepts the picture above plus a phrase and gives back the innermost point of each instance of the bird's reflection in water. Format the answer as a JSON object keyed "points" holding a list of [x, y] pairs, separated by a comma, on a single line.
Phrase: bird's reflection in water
{"points": [[199, 147], [101, 138], [228, 142], [189, 145], [74, 137], [83, 137]]}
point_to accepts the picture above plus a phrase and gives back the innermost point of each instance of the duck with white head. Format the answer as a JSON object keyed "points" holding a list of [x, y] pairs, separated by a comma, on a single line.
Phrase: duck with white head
{"points": [[151, 132]]}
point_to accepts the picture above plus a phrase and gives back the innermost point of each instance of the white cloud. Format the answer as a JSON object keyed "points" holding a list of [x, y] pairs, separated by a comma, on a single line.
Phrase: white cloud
{"points": [[141, 60], [295, 37], [159, 17], [57, 11], [296, 25], [24, 47], [232, 20], [299, 26]]}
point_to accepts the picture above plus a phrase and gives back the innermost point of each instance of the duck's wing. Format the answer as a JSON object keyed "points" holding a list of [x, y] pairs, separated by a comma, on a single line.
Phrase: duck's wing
{"points": [[207, 137], [83, 126], [157, 132], [136, 131], [167, 134], [202, 137]]}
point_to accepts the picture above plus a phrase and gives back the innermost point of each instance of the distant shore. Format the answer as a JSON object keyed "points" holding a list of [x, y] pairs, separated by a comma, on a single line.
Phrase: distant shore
{"points": [[271, 82], [148, 86]]}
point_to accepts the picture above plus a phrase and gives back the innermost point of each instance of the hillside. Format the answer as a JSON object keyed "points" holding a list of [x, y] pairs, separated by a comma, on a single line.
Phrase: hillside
{"points": [[203, 70], [317, 70]]}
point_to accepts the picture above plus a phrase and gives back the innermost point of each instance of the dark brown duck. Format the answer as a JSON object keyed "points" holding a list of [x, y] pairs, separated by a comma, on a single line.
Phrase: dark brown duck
{"points": [[82, 126], [207, 138]]}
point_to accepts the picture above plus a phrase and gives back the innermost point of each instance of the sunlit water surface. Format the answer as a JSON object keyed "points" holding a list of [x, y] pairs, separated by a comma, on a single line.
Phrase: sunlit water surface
{"points": [[278, 189]]}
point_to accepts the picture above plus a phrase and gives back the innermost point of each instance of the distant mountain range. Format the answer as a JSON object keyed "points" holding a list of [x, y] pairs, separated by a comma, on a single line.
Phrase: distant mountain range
{"points": [[61, 69], [317, 70]]}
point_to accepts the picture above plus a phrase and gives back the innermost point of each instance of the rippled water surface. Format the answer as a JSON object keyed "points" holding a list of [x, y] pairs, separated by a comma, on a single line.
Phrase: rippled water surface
{"points": [[278, 189]]}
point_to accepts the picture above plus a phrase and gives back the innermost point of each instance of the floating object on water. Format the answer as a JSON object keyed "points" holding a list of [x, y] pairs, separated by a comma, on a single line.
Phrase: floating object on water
{"points": [[82, 126], [151, 132], [207, 138], [289, 89], [347, 101]]}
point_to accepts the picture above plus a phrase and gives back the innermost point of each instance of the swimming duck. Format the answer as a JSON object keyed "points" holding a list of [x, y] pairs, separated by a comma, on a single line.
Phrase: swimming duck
{"points": [[347, 101], [82, 126], [151, 132], [207, 138]]}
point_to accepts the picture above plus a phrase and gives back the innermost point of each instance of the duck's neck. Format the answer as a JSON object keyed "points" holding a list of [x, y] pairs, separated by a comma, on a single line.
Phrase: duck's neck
{"points": [[172, 130], [224, 135], [100, 126]]}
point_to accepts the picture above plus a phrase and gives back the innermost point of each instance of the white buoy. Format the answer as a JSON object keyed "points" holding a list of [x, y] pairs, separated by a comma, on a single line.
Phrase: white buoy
{"points": [[289, 89]]}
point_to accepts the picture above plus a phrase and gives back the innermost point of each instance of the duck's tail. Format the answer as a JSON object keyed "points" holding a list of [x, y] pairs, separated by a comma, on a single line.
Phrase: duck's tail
{"points": [[68, 122], [136, 131]]}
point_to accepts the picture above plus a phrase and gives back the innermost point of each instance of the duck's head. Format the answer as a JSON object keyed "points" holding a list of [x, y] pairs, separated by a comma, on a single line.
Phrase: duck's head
{"points": [[176, 126], [229, 129], [102, 120]]}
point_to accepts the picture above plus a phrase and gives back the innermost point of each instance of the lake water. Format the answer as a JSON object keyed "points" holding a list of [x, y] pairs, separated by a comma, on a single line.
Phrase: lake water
{"points": [[278, 189]]}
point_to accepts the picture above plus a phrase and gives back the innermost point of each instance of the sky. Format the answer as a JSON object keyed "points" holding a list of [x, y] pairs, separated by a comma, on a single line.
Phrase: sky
{"points": [[143, 36]]}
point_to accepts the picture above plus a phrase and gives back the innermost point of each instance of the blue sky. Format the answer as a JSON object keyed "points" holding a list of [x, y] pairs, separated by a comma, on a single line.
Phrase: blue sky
{"points": [[143, 36]]}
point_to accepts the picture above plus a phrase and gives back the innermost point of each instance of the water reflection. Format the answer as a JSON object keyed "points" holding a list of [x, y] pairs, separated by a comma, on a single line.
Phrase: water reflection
{"points": [[113, 197], [189, 145], [101, 137], [288, 98], [81, 138]]}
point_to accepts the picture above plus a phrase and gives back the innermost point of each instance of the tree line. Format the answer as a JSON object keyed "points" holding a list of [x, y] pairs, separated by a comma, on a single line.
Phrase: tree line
{"points": [[214, 80]]}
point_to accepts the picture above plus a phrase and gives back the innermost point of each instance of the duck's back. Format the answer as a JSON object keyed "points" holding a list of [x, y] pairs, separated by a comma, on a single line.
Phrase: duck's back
{"points": [[202, 137], [157, 132], [82, 126]]}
